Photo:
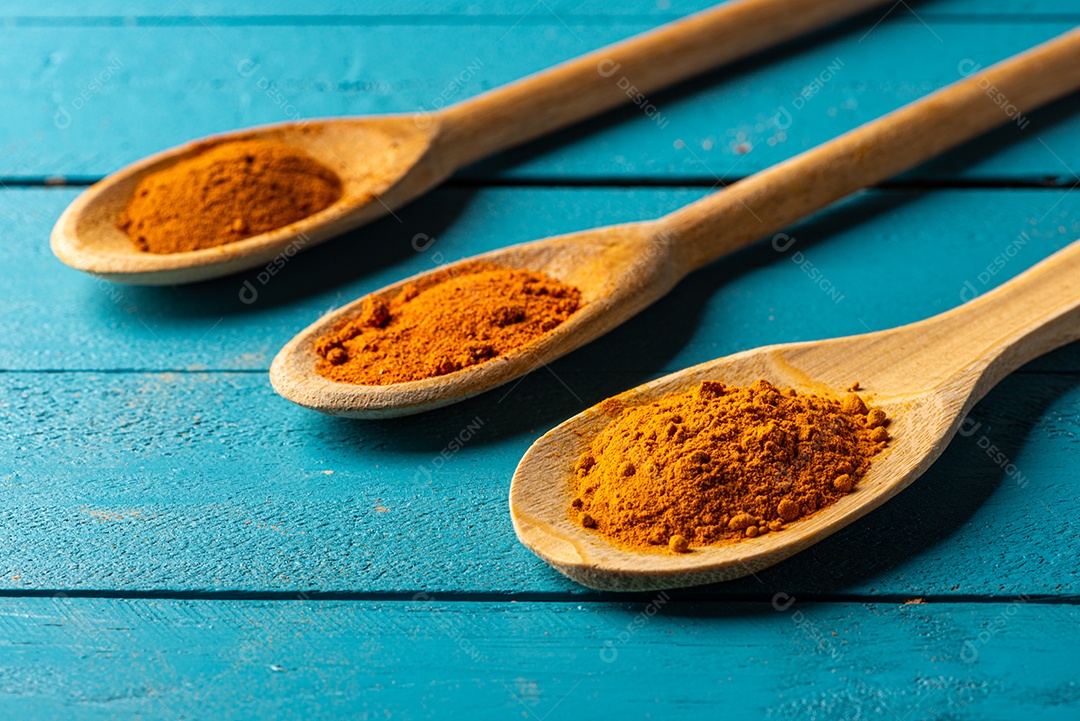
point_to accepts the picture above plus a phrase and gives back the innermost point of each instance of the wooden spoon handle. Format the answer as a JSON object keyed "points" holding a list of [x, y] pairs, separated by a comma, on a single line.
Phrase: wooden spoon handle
{"points": [[778, 196], [996, 333], [628, 72]]}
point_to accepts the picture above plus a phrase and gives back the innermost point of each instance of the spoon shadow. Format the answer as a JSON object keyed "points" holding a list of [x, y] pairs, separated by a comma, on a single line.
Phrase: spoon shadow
{"points": [[508, 160], [367, 250], [552, 393], [387, 242], [956, 161], [1055, 115], [348, 258]]}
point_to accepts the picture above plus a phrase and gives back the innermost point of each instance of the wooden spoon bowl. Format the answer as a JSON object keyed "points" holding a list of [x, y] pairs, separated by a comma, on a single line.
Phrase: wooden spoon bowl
{"points": [[618, 270], [925, 376], [377, 159], [387, 161], [543, 486]]}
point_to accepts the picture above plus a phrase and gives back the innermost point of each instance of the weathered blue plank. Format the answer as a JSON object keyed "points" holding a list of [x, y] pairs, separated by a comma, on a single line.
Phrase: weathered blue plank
{"points": [[209, 481], [428, 659], [883, 259], [122, 481], [88, 100], [117, 480]]}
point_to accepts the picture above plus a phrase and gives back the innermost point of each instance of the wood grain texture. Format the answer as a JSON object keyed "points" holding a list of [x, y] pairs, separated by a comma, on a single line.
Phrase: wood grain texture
{"points": [[384, 162], [119, 478], [583, 86], [924, 377], [93, 99], [420, 659], [620, 270]]}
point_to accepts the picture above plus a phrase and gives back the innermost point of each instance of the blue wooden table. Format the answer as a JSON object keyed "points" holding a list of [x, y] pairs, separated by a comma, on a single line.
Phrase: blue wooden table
{"points": [[177, 542]]}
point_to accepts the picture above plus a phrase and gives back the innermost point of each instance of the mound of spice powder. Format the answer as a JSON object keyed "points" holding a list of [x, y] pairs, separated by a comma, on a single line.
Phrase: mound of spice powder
{"points": [[461, 317], [231, 191], [720, 463]]}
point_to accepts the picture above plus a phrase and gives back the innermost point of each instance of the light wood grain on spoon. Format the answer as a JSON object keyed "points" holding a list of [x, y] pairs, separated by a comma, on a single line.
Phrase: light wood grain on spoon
{"points": [[622, 269], [387, 161], [925, 376]]}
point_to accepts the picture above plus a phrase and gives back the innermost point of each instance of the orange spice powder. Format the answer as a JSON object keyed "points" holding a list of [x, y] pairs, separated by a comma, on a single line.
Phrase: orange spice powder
{"points": [[229, 192], [721, 463], [466, 315]]}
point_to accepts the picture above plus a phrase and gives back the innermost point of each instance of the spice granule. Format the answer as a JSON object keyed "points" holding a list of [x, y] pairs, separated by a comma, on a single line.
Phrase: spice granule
{"points": [[720, 463], [464, 316], [231, 191]]}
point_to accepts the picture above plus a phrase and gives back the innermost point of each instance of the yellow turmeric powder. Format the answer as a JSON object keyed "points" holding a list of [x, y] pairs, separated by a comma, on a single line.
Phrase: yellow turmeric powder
{"points": [[463, 316], [228, 192], [720, 463]]}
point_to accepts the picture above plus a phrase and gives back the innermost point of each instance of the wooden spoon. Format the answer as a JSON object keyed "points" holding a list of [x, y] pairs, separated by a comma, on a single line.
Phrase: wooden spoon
{"points": [[926, 376], [386, 161], [622, 269]]}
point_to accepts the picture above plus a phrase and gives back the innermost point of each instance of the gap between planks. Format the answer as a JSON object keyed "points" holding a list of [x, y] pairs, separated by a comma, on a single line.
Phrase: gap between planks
{"points": [[688, 596]]}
